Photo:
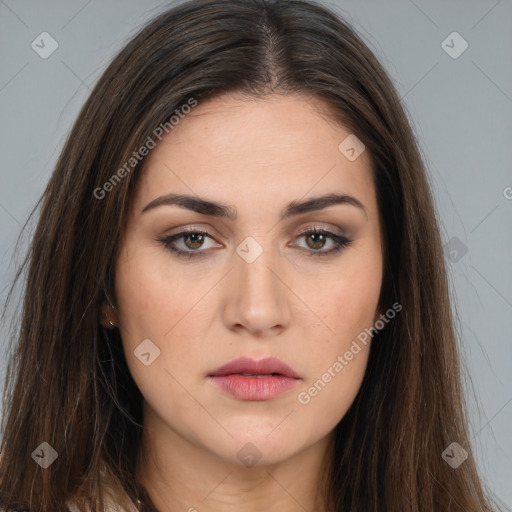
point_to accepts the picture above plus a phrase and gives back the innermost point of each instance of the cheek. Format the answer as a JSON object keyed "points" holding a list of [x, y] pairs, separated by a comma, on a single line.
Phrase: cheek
{"points": [[348, 305], [326, 400], [337, 362], [157, 304], [152, 297]]}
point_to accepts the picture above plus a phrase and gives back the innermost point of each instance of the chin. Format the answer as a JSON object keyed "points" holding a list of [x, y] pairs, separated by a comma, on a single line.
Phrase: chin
{"points": [[252, 446]]}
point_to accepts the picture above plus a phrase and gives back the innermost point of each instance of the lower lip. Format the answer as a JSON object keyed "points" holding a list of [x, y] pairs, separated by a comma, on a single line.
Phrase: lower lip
{"points": [[254, 388]]}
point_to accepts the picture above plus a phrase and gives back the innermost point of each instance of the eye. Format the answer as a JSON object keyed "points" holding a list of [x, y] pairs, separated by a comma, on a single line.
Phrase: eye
{"points": [[192, 240], [319, 238]]}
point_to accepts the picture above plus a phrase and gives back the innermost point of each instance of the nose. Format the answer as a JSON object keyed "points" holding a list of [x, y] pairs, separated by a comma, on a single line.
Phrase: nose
{"points": [[257, 296]]}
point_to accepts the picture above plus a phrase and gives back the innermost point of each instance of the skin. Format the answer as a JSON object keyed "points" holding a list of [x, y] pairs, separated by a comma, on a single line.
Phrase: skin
{"points": [[256, 156]]}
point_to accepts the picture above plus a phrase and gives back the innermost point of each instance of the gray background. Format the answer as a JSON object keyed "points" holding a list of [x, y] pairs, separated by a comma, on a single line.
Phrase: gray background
{"points": [[460, 109]]}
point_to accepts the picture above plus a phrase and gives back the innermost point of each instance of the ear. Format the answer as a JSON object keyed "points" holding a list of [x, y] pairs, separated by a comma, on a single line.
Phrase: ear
{"points": [[108, 316]]}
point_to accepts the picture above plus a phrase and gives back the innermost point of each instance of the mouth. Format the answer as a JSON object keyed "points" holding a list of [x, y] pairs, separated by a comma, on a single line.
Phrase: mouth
{"points": [[247, 379]]}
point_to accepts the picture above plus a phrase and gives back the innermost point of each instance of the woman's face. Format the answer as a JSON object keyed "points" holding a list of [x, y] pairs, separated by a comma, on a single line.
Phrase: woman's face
{"points": [[259, 284]]}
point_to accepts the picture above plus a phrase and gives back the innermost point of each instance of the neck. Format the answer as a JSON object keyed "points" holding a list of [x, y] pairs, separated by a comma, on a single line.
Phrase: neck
{"points": [[181, 476]]}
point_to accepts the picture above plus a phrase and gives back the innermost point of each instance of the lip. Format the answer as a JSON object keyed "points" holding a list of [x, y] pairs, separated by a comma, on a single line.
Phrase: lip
{"points": [[262, 386], [264, 366]]}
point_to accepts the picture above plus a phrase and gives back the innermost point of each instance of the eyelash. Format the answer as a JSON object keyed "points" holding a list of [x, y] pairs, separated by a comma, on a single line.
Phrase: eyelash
{"points": [[340, 241]]}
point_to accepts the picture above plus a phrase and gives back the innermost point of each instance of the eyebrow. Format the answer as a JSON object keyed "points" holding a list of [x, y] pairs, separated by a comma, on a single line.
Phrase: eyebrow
{"points": [[213, 209]]}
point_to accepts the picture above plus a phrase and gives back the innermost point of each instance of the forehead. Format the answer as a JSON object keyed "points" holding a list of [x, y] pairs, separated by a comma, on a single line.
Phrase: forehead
{"points": [[247, 150]]}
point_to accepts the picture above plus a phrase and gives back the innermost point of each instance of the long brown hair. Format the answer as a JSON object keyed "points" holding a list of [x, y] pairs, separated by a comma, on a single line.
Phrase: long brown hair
{"points": [[68, 383]]}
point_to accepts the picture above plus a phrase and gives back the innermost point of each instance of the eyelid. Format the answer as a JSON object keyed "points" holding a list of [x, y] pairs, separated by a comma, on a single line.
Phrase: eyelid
{"points": [[340, 241], [323, 227], [337, 231]]}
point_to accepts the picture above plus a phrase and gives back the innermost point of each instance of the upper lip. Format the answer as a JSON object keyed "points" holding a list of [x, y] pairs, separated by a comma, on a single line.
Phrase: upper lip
{"points": [[263, 366]]}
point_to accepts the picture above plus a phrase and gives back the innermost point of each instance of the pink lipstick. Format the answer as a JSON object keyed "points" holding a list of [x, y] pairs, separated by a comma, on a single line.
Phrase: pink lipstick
{"points": [[248, 379]]}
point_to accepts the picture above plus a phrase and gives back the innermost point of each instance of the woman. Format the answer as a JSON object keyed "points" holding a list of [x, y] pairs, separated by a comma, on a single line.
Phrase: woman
{"points": [[198, 336]]}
